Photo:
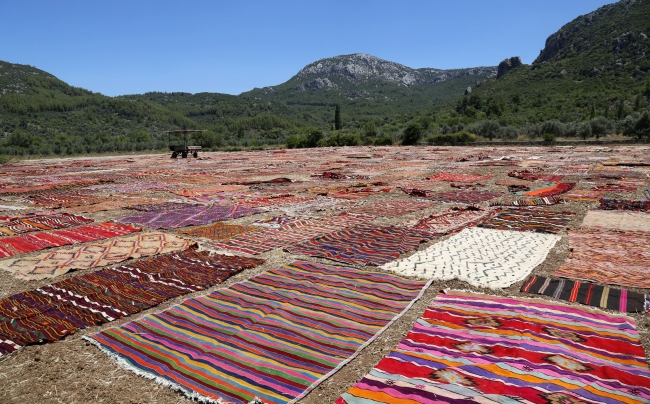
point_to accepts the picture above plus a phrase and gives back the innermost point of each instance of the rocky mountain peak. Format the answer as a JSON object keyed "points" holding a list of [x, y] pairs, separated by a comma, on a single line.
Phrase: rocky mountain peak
{"points": [[361, 68]]}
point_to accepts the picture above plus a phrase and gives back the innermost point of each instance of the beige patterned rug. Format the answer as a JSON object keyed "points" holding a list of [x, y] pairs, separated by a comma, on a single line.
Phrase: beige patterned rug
{"points": [[58, 262]]}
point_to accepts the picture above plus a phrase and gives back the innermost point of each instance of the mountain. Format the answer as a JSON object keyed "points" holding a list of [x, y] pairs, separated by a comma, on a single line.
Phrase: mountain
{"points": [[598, 63], [365, 86]]}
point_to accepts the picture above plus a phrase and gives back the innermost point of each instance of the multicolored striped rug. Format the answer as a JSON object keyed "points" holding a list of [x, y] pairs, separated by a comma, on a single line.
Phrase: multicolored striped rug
{"points": [[54, 263], [365, 244], [473, 348], [274, 336], [615, 258], [219, 231], [452, 220], [294, 232], [530, 220], [589, 294], [31, 223], [624, 204], [10, 246], [451, 177], [467, 196], [551, 200], [392, 208], [193, 216], [51, 312], [481, 257]]}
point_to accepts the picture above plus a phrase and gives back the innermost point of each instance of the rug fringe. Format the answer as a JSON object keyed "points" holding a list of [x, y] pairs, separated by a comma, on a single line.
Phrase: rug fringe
{"points": [[122, 363]]}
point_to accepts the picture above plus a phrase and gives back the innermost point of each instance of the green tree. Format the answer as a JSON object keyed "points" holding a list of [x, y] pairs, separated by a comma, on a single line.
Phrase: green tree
{"points": [[412, 134], [369, 129], [337, 117], [621, 110], [592, 114]]}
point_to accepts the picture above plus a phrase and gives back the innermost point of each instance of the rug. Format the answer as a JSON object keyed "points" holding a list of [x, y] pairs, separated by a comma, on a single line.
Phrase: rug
{"points": [[638, 222], [192, 216], [207, 191], [112, 251], [556, 189], [588, 293], [219, 231], [583, 195], [617, 204], [615, 258], [551, 200], [573, 170], [474, 348], [357, 193], [295, 232], [160, 206], [276, 222], [10, 246], [392, 208], [28, 224], [275, 336], [53, 311], [529, 175], [467, 196], [530, 220], [451, 220], [481, 257], [365, 244], [450, 177], [107, 205]]}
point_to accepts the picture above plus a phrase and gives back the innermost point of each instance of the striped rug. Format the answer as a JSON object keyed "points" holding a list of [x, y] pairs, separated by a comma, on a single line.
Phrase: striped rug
{"points": [[365, 244], [274, 336], [53, 311], [473, 348]]}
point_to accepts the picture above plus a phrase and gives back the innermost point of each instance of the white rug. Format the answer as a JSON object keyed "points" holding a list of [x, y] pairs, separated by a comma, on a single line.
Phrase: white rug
{"points": [[617, 220], [481, 257]]}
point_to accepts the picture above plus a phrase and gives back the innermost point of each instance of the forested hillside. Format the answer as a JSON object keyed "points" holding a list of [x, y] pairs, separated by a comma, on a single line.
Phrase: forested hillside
{"points": [[591, 79]]}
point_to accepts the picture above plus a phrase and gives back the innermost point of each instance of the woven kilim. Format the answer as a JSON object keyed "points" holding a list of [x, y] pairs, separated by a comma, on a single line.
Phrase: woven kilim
{"points": [[274, 336], [365, 244], [459, 177], [207, 191], [556, 189], [588, 293], [551, 200], [481, 257], [583, 195], [452, 220], [638, 222], [161, 206], [295, 232], [192, 216], [616, 258], [275, 222], [30, 224], [55, 263], [617, 204], [530, 220], [573, 170], [466, 196], [473, 348], [107, 205], [392, 208], [219, 231], [10, 246], [53, 311]]}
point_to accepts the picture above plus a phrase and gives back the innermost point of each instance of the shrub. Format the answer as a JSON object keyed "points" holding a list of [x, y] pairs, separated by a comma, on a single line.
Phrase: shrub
{"points": [[452, 139], [4, 159], [549, 137], [412, 134], [384, 141], [296, 142]]}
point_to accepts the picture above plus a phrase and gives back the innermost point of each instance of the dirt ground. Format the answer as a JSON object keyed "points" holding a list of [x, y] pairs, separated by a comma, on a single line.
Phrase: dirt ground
{"points": [[74, 371]]}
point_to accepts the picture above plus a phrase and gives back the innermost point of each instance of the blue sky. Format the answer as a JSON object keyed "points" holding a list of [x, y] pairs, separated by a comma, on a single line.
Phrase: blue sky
{"points": [[128, 47]]}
